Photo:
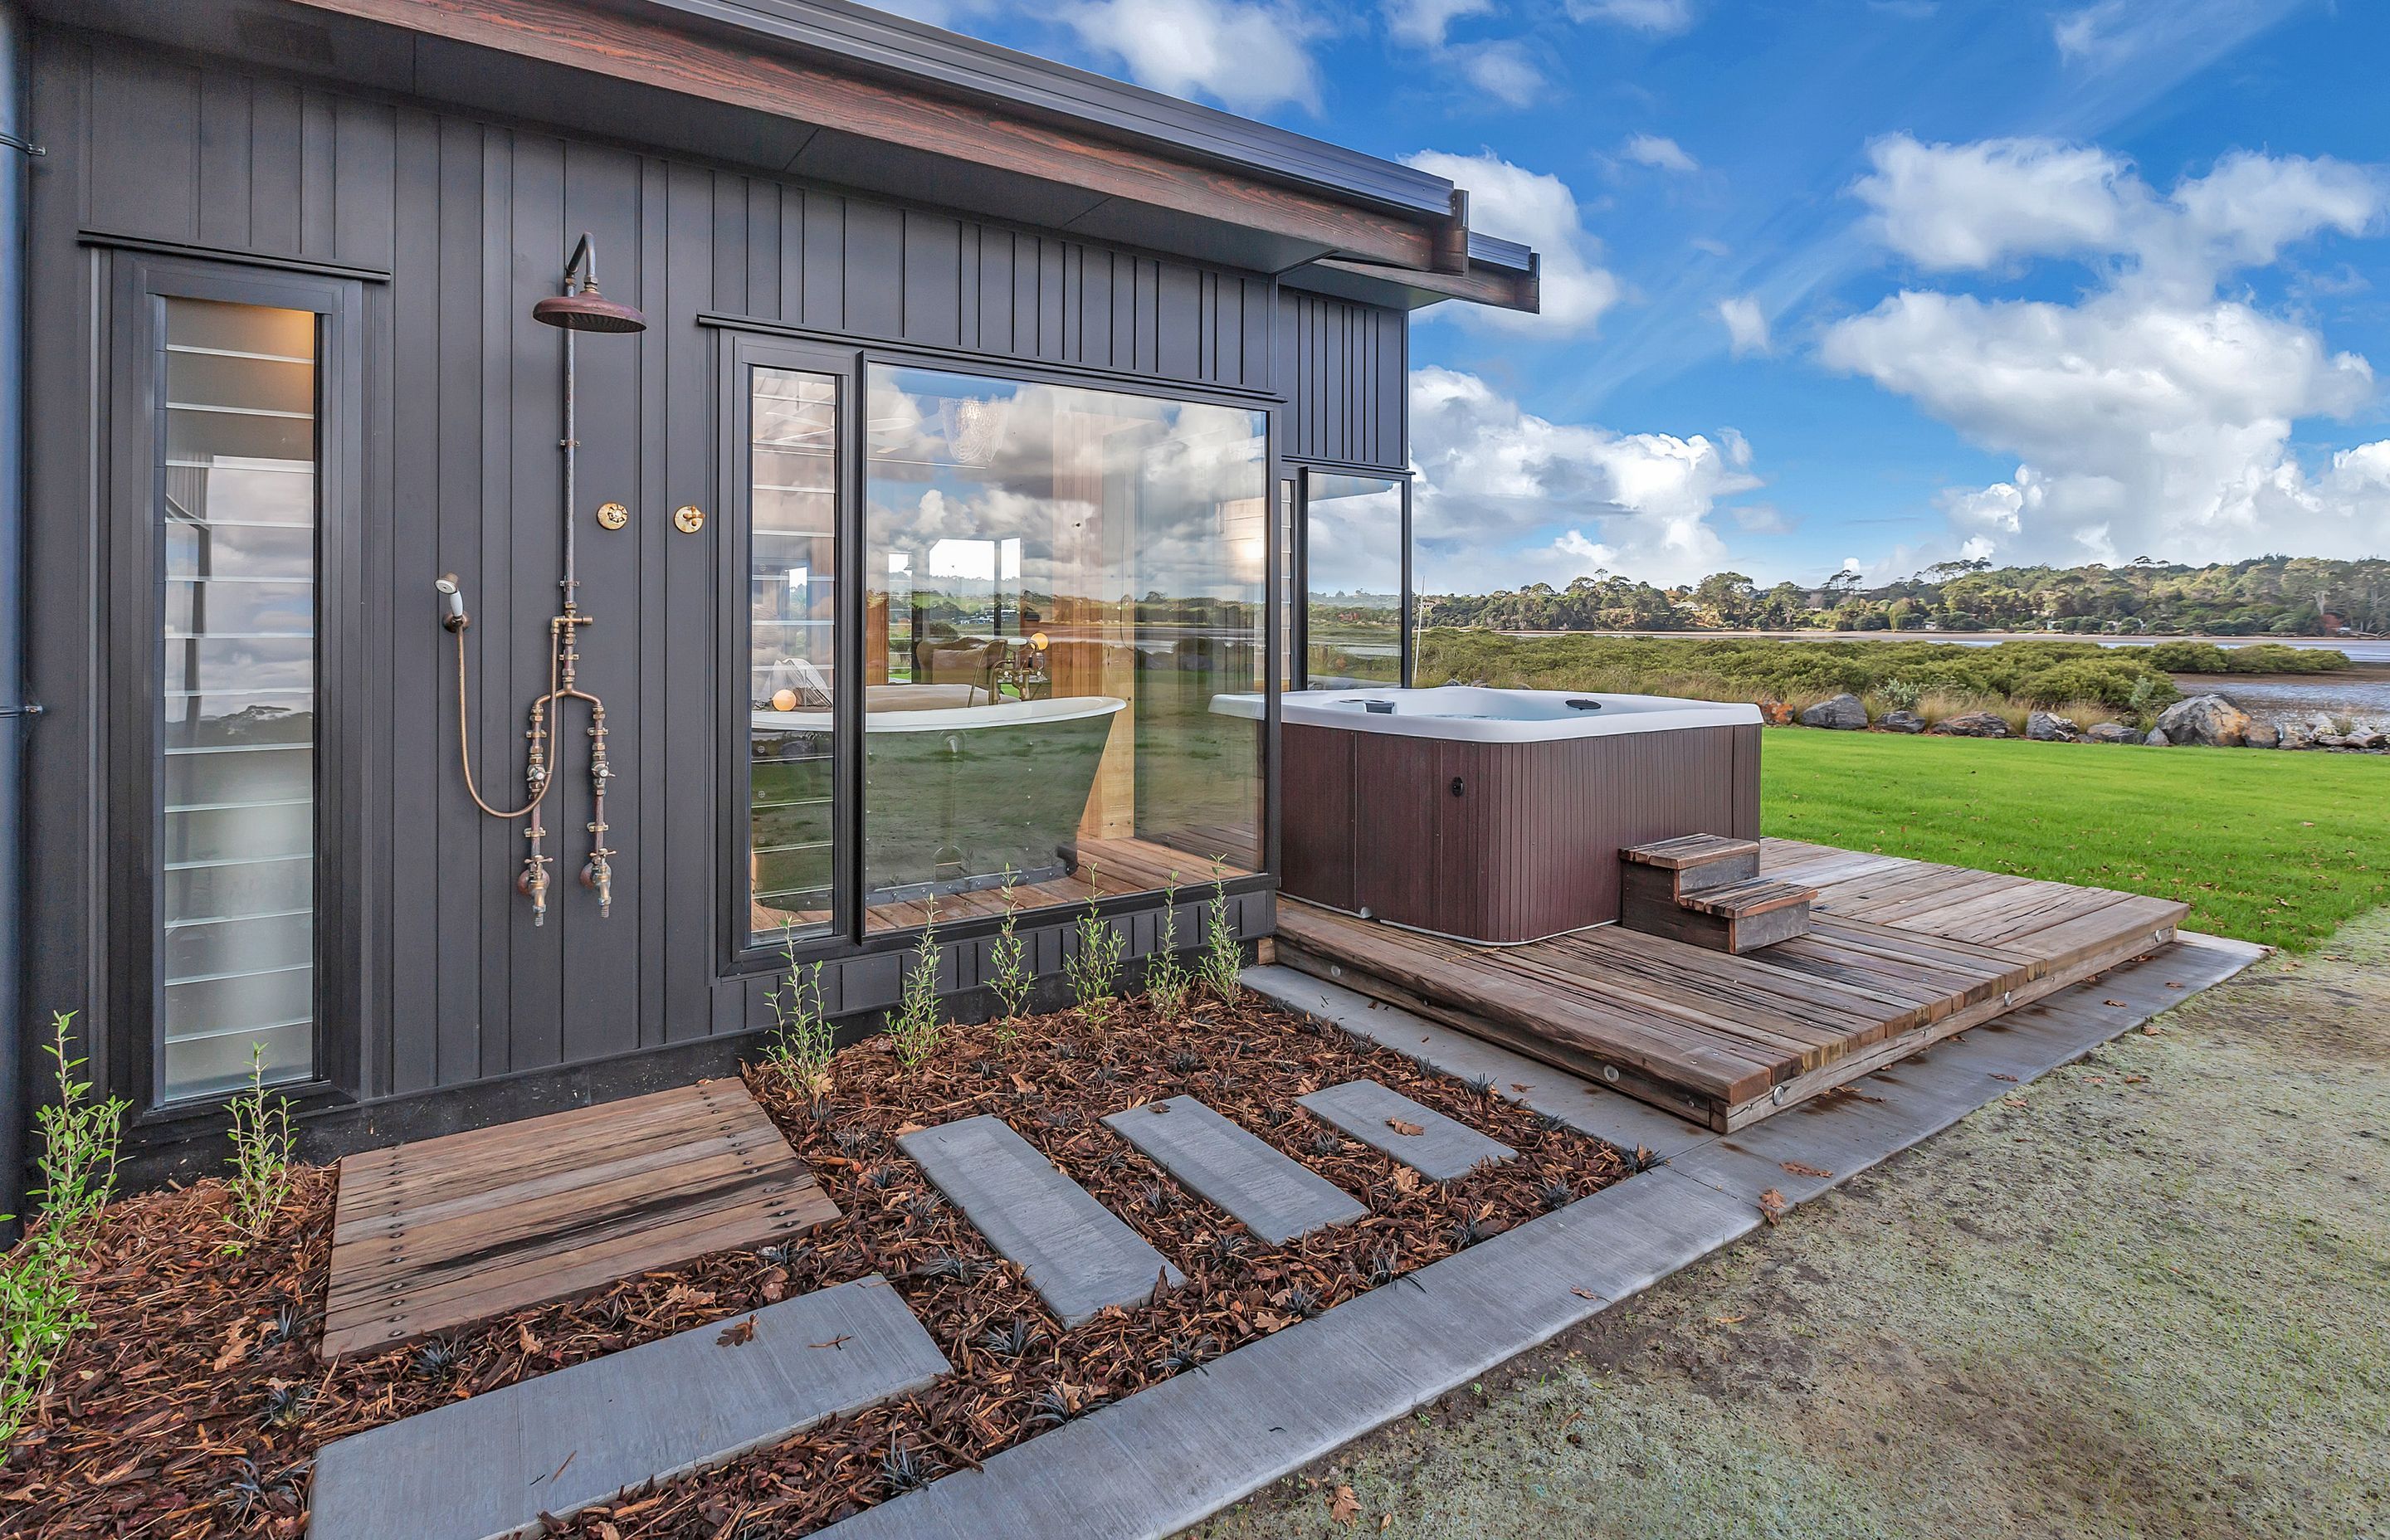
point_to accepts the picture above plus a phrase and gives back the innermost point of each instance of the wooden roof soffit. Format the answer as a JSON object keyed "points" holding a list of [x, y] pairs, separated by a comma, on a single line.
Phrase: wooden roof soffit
{"points": [[576, 37]]}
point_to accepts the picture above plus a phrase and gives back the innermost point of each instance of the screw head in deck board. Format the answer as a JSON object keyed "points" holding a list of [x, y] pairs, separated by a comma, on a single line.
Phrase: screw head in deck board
{"points": [[1443, 1150]]}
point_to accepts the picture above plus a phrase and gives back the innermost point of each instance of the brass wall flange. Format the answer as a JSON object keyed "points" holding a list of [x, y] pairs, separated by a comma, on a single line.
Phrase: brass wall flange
{"points": [[688, 518], [612, 516]]}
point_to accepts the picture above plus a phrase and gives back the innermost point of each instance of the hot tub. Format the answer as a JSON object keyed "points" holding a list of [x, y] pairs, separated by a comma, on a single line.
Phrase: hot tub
{"points": [[1497, 815], [953, 795]]}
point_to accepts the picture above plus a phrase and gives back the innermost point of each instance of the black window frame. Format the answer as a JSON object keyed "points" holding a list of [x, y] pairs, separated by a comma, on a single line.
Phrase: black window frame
{"points": [[741, 353], [743, 341], [130, 746]]}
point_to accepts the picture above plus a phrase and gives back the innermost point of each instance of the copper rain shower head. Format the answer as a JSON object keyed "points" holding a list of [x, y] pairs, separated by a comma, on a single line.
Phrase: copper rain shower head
{"points": [[580, 307]]}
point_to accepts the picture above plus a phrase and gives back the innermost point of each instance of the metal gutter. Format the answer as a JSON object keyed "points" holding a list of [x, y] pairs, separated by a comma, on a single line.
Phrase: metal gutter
{"points": [[895, 45], [16, 711], [1494, 251]]}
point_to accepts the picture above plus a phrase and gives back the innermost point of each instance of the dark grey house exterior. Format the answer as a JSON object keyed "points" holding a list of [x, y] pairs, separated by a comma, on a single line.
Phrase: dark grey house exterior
{"points": [[948, 433]]}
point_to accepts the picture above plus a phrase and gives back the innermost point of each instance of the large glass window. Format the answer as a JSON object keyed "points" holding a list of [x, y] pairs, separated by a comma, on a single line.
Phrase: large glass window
{"points": [[1060, 582], [1353, 580], [236, 802], [791, 598]]}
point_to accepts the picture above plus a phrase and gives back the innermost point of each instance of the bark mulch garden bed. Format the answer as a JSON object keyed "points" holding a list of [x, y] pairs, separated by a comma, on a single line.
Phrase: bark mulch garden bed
{"points": [[194, 1405]]}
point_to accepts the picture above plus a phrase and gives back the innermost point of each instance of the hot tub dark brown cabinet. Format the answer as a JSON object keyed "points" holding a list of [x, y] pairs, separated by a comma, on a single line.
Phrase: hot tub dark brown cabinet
{"points": [[1505, 831]]}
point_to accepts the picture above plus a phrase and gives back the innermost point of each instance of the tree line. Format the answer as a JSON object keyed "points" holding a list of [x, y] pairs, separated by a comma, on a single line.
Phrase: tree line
{"points": [[2271, 595]]}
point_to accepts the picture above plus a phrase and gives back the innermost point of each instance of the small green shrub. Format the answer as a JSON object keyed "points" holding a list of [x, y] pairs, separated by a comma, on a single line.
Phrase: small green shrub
{"points": [[803, 1039], [1899, 694], [2189, 657], [40, 1303], [1009, 960], [1094, 965], [261, 1153], [914, 1027], [1223, 962], [1167, 983]]}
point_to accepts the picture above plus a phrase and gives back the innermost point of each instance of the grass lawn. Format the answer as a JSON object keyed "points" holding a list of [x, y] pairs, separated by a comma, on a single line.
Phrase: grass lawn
{"points": [[2270, 847]]}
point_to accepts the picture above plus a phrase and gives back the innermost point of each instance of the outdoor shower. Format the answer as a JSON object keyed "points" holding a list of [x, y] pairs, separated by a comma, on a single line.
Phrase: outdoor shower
{"points": [[580, 308]]}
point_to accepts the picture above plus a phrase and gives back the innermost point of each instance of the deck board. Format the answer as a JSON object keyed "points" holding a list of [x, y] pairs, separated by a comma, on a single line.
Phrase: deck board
{"points": [[435, 1235], [1900, 953]]}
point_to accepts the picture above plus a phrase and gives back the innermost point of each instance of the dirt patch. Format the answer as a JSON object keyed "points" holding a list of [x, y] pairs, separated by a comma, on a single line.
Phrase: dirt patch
{"points": [[2141, 1297], [194, 1407]]}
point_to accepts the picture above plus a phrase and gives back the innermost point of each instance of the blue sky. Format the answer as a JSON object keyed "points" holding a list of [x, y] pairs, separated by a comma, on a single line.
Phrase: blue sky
{"points": [[1879, 282]]}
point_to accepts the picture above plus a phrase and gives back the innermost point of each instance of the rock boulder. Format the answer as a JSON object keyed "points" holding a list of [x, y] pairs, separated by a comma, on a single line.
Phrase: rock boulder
{"points": [[2112, 732], [1973, 724], [2264, 735], [2049, 728], [2156, 738], [1844, 711], [1901, 722], [2207, 720], [2296, 735]]}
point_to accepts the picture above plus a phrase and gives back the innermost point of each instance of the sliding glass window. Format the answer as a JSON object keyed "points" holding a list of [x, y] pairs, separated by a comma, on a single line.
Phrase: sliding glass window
{"points": [[1062, 642], [236, 795], [1353, 580]]}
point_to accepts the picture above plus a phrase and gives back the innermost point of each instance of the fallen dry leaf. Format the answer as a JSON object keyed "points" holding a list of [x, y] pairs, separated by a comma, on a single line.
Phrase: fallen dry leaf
{"points": [[738, 1335], [2151, 1029], [2112, 1002], [1406, 1179], [1773, 1205], [1385, 1522], [1800, 1168], [684, 1294], [1022, 1083], [839, 1343], [525, 1339], [1726, 1320], [2011, 1079], [1585, 1293], [235, 1346], [1342, 1505], [1405, 1129]]}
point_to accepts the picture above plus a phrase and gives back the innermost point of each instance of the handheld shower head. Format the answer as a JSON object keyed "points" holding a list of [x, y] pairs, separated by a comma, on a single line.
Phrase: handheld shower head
{"points": [[451, 602]]}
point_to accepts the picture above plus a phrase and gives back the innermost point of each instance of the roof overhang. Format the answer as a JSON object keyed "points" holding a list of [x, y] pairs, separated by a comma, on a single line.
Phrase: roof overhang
{"points": [[844, 94]]}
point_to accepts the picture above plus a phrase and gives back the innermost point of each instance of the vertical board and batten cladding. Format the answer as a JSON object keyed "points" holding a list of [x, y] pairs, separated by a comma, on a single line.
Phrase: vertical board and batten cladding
{"points": [[1346, 371], [470, 221]]}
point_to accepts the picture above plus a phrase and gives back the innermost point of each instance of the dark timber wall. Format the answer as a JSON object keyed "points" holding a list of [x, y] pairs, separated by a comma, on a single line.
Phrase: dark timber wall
{"points": [[1345, 368], [452, 225]]}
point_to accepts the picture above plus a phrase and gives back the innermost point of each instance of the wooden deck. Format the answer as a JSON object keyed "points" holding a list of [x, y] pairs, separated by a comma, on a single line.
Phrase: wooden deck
{"points": [[1900, 953], [441, 1233]]}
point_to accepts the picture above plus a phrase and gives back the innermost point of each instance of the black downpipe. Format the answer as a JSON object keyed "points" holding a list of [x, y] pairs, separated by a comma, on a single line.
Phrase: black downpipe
{"points": [[16, 710]]}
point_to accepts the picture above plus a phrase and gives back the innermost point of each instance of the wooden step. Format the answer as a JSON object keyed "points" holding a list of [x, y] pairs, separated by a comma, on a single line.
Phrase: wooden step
{"points": [[1745, 900], [1694, 863]]}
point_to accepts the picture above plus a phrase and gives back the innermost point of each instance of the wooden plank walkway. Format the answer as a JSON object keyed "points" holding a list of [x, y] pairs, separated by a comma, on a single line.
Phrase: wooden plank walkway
{"points": [[1900, 953], [444, 1232]]}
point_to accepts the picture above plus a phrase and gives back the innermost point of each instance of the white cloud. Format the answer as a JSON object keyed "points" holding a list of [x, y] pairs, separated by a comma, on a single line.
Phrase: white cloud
{"points": [[1504, 70], [1951, 207], [1424, 22], [1664, 17], [1746, 325], [1246, 57], [2146, 427], [1538, 208], [1505, 497], [1958, 206], [1659, 153]]}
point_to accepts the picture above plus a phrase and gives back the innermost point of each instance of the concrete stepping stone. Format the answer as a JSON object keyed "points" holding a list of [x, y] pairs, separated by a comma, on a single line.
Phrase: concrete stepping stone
{"points": [[1271, 1195], [1080, 1256], [1441, 1151], [490, 1466]]}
